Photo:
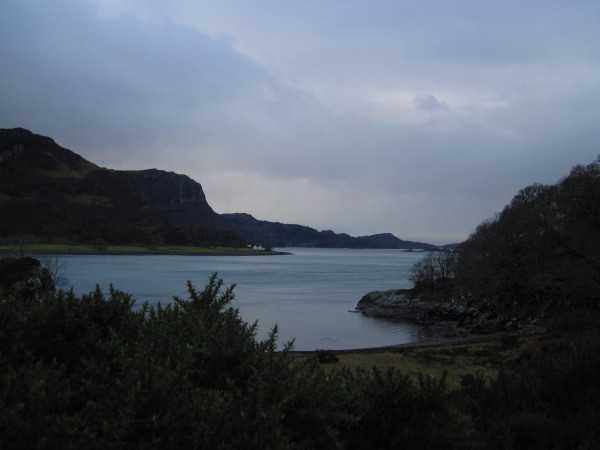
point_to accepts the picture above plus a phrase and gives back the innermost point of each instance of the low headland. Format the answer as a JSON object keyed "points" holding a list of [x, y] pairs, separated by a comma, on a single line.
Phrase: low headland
{"points": [[445, 321]]}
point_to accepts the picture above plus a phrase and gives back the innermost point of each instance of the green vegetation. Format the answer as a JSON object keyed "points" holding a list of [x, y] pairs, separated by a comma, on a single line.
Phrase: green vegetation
{"points": [[98, 371], [122, 249], [453, 360]]}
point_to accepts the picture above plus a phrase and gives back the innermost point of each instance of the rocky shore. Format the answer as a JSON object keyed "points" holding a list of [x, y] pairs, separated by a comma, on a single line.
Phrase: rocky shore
{"points": [[449, 319]]}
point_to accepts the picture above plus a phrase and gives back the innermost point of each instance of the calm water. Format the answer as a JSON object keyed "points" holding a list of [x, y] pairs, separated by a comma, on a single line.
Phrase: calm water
{"points": [[310, 294]]}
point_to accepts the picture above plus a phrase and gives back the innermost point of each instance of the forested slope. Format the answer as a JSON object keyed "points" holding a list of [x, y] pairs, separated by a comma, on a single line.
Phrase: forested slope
{"points": [[539, 255]]}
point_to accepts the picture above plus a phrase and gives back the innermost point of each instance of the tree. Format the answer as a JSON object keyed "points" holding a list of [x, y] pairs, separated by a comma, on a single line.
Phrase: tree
{"points": [[434, 273], [539, 253]]}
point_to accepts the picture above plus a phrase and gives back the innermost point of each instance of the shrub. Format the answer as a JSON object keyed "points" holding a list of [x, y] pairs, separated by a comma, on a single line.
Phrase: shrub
{"points": [[97, 372]]}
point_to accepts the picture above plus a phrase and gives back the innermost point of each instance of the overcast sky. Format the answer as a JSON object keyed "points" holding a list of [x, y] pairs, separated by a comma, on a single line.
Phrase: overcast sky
{"points": [[420, 118]]}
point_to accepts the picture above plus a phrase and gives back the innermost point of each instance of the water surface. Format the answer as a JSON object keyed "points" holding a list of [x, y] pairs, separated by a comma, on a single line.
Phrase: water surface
{"points": [[310, 294]]}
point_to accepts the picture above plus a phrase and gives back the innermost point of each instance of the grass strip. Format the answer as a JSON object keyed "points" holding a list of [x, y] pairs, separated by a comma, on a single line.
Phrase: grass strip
{"points": [[484, 358], [127, 249]]}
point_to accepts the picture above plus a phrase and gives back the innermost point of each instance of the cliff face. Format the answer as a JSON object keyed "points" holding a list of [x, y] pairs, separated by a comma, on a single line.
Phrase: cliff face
{"points": [[178, 196], [167, 188]]}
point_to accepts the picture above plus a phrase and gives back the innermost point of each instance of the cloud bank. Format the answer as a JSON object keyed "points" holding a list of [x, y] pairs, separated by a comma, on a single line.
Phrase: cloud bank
{"points": [[417, 118]]}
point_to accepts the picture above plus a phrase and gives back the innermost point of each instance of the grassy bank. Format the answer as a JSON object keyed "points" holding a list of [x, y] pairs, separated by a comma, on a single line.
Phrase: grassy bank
{"points": [[129, 250], [485, 358]]}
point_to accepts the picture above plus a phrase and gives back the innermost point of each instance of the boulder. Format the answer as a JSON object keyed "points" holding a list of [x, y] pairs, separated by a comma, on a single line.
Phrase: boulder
{"points": [[24, 277], [396, 303]]}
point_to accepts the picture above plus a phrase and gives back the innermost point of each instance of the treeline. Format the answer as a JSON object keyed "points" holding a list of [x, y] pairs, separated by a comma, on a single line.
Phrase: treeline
{"points": [[98, 372], [540, 254]]}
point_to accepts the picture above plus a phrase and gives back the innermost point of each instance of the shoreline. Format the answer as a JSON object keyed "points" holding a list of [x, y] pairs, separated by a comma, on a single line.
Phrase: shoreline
{"points": [[129, 251], [436, 340], [159, 253]]}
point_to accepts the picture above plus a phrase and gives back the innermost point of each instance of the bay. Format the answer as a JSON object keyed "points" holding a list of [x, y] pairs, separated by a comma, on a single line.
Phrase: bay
{"points": [[310, 294]]}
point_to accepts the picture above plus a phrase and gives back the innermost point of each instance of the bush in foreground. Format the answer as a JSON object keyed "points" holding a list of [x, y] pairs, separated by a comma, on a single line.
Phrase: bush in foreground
{"points": [[97, 372]]}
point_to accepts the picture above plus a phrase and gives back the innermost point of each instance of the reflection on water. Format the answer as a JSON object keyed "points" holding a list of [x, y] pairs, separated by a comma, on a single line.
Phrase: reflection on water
{"points": [[309, 294]]}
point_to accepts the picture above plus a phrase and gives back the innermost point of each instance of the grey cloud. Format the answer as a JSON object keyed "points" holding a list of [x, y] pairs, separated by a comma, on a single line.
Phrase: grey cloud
{"points": [[138, 82], [256, 114], [428, 102]]}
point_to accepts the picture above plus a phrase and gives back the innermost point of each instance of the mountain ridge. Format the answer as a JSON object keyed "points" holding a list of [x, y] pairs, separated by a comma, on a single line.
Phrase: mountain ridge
{"points": [[277, 234], [49, 193]]}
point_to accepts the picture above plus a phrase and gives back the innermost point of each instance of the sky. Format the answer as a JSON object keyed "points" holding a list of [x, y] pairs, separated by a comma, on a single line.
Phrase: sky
{"points": [[418, 118]]}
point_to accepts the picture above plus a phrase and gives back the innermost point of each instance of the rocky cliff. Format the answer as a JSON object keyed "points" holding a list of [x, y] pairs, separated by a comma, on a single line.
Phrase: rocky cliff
{"points": [[180, 197]]}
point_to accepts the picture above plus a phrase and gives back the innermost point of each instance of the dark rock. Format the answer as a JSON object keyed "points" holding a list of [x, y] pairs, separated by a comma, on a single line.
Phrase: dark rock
{"points": [[326, 357], [383, 303], [451, 319], [399, 304], [24, 277], [180, 197]]}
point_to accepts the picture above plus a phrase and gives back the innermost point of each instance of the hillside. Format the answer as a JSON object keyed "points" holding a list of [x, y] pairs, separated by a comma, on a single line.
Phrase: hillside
{"points": [[183, 202], [51, 194], [48, 192], [388, 240], [537, 257], [276, 234]]}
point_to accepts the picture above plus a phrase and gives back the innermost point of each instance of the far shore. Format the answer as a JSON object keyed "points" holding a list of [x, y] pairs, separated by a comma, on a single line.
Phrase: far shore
{"points": [[82, 249]]}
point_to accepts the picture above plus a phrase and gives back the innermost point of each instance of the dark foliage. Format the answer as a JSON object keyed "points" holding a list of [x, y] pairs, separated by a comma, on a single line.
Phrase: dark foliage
{"points": [[98, 372], [548, 399], [95, 372], [541, 252], [433, 276], [538, 256]]}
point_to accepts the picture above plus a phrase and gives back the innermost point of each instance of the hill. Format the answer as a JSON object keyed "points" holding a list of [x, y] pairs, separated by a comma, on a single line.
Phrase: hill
{"points": [[51, 194], [388, 240], [276, 234], [183, 202]]}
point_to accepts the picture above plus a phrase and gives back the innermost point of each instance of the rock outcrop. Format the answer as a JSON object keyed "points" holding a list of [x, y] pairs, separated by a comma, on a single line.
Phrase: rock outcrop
{"points": [[24, 277], [395, 303], [454, 318], [179, 197]]}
